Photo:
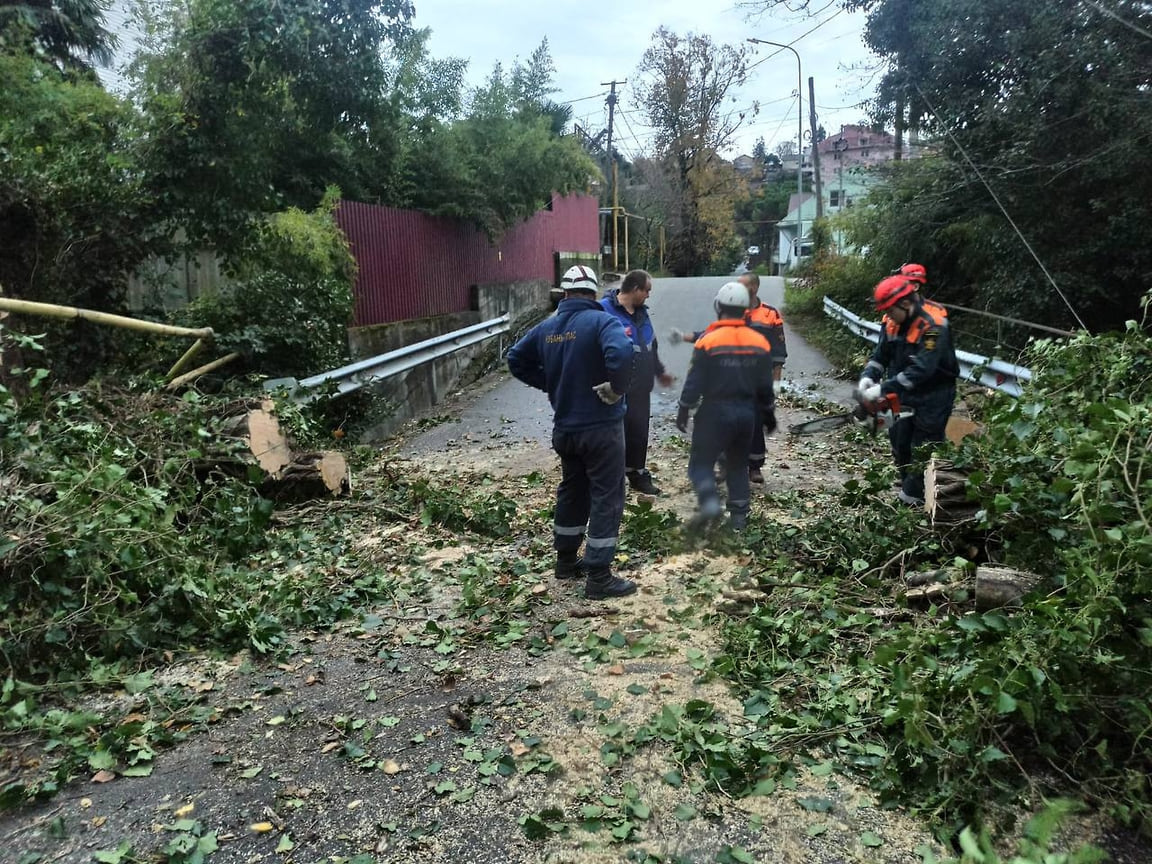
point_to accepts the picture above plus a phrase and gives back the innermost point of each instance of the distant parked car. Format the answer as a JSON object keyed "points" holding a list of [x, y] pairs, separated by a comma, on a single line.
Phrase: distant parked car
{"points": [[753, 250]]}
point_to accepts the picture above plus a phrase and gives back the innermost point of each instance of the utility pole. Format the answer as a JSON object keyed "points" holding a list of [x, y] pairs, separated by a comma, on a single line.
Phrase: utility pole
{"points": [[615, 180], [840, 146], [799, 133], [816, 183]]}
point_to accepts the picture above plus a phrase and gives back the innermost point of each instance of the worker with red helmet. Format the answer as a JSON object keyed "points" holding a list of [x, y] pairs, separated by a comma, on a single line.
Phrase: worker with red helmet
{"points": [[915, 360]]}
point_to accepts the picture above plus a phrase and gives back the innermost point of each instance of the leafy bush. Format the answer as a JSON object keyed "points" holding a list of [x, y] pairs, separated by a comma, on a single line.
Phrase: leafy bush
{"points": [[958, 712], [848, 280], [74, 215], [289, 304], [113, 524]]}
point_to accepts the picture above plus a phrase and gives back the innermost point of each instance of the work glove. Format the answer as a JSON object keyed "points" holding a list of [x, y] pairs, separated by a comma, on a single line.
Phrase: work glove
{"points": [[682, 419], [864, 383], [676, 336], [607, 395], [871, 393], [769, 422]]}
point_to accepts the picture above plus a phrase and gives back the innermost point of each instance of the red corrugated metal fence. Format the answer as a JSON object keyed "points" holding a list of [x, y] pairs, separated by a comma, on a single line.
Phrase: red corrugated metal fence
{"points": [[413, 265]]}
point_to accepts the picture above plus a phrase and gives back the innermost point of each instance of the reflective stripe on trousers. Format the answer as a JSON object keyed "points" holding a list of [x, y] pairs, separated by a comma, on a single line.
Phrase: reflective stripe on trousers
{"points": [[591, 491]]}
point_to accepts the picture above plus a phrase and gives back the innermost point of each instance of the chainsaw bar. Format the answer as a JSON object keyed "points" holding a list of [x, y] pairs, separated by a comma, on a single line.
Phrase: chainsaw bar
{"points": [[822, 424]]}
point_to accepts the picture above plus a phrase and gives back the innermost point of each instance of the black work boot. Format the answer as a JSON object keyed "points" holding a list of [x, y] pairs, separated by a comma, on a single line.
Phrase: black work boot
{"points": [[641, 481], [755, 475], [569, 565], [603, 584]]}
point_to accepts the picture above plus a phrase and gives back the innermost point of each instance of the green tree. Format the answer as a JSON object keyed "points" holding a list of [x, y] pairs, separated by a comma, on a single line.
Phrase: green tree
{"points": [[253, 106], [75, 215], [500, 163], [757, 214], [685, 83], [68, 33]]}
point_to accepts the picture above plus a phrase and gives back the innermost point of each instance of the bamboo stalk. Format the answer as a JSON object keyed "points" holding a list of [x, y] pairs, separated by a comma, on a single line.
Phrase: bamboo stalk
{"points": [[184, 360], [52, 310], [203, 370]]}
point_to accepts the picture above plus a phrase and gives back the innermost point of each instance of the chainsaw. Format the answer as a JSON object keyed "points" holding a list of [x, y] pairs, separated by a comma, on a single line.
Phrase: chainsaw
{"points": [[882, 413]]}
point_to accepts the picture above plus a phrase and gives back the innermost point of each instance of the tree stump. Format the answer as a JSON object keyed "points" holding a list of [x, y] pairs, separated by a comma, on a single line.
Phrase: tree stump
{"points": [[946, 494]]}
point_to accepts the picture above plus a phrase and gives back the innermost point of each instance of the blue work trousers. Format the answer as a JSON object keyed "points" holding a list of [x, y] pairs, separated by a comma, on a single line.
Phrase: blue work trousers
{"points": [[590, 497], [722, 428]]}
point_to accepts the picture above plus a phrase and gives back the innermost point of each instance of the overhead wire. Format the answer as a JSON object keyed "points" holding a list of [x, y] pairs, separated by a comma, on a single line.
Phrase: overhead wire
{"points": [[948, 131], [583, 98], [1105, 11]]}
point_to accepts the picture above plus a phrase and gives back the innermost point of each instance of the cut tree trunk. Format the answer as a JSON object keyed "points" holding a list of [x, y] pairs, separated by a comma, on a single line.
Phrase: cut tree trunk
{"points": [[945, 494], [312, 475], [260, 429], [997, 587], [288, 476]]}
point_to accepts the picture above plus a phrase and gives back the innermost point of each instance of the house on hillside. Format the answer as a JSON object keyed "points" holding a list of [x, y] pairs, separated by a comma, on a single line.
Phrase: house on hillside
{"points": [[793, 231], [847, 165], [748, 166]]}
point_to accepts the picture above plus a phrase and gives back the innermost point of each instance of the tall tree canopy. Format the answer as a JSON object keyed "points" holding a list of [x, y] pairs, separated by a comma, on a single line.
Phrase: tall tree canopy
{"points": [[686, 92], [68, 33], [254, 105]]}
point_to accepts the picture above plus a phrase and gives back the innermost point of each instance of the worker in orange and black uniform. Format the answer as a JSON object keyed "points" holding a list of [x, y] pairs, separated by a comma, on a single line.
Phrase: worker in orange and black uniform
{"points": [[915, 360], [767, 321], [730, 379]]}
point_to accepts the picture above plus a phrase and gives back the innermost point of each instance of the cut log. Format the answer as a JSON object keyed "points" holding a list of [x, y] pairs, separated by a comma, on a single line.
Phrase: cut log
{"points": [[260, 429], [946, 494], [924, 577], [997, 587], [937, 591], [311, 475], [288, 477]]}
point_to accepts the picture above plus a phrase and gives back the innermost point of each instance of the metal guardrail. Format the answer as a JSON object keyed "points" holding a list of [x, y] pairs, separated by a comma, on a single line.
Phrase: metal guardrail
{"points": [[996, 374], [356, 375]]}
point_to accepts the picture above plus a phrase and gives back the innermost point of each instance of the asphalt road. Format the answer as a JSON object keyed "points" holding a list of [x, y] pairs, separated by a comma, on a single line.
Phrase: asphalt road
{"points": [[504, 405]]}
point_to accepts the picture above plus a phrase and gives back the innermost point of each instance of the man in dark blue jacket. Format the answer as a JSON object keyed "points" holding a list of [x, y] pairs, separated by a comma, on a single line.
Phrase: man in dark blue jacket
{"points": [[582, 359], [628, 304]]}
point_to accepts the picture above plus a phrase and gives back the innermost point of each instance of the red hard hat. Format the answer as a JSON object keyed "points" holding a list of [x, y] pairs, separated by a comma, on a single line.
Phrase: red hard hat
{"points": [[891, 290], [915, 272]]}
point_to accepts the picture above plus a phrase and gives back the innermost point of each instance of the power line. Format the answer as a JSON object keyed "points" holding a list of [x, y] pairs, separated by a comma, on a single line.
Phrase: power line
{"points": [[584, 98], [1126, 23], [797, 39], [1019, 233]]}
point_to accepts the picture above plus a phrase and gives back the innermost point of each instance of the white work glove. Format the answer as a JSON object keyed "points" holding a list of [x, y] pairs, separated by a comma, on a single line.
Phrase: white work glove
{"points": [[676, 336], [607, 395], [864, 383], [871, 394]]}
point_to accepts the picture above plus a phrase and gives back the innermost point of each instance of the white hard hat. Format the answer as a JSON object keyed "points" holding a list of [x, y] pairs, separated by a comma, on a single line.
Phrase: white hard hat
{"points": [[731, 294], [580, 278]]}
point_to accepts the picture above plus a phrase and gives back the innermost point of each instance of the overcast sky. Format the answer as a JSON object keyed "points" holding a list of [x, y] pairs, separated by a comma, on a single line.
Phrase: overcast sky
{"points": [[592, 43]]}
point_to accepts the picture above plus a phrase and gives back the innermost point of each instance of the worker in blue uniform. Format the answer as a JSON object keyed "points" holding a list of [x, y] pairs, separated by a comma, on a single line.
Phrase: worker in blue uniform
{"points": [[582, 358]]}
